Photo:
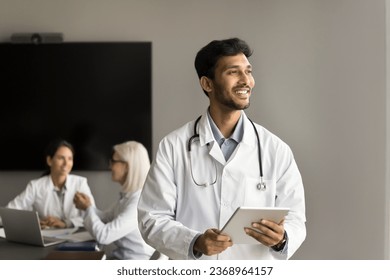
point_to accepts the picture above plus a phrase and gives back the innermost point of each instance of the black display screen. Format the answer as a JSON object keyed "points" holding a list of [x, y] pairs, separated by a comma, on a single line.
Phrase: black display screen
{"points": [[94, 95]]}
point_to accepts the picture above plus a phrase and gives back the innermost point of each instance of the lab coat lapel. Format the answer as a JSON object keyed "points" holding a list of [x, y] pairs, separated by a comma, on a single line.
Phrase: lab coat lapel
{"points": [[206, 137], [216, 153], [248, 144]]}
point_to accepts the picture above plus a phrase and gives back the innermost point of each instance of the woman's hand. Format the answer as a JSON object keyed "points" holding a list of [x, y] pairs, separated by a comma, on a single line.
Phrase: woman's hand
{"points": [[50, 222], [82, 201]]}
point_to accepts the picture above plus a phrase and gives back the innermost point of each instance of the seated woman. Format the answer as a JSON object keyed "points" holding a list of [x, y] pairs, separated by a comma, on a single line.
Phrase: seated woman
{"points": [[118, 224], [52, 194]]}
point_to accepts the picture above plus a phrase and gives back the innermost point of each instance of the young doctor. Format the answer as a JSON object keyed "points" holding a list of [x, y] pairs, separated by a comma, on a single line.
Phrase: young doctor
{"points": [[204, 170], [52, 194]]}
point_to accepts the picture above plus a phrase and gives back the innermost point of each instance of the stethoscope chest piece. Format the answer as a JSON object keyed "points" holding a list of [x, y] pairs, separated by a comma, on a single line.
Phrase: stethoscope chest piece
{"points": [[261, 186]]}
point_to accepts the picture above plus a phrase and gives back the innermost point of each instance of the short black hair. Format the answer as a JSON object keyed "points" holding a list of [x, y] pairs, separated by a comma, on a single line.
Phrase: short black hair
{"points": [[207, 58]]}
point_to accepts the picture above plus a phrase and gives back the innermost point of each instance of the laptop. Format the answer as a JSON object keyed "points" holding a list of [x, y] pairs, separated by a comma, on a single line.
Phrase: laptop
{"points": [[23, 226]]}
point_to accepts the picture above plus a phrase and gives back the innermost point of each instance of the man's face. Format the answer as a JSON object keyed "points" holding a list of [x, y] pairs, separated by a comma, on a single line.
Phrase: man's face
{"points": [[232, 85]]}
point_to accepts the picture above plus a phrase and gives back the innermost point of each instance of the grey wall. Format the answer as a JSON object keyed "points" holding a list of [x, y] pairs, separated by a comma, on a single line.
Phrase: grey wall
{"points": [[320, 85]]}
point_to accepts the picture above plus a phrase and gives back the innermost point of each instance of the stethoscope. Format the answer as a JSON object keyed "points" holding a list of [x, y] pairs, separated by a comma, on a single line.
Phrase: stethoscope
{"points": [[260, 186]]}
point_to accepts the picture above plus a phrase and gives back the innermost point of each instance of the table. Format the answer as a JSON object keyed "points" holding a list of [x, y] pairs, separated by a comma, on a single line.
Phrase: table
{"points": [[17, 251]]}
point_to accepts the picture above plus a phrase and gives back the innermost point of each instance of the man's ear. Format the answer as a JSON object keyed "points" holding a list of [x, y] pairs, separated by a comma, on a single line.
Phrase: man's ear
{"points": [[206, 84]]}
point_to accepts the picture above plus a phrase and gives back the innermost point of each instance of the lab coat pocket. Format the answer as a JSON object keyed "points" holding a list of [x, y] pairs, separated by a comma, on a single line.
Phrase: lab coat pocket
{"points": [[259, 197]]}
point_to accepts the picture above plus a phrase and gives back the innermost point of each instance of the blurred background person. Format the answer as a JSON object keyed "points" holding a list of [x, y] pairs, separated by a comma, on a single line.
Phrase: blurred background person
{"points": [[52, 194], [118, 225]]}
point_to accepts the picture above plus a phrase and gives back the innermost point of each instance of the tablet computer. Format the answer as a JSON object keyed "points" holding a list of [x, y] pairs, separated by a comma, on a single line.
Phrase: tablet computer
{"points": [[245, 216]]}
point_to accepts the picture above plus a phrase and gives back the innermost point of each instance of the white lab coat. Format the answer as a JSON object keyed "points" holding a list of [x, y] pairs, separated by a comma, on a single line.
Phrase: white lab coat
{"points": [[118, 225], [173, 210], [40, 196]]}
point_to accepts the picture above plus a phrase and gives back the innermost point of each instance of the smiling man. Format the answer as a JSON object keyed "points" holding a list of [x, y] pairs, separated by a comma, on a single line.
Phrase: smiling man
{"points": [[206, 169]]}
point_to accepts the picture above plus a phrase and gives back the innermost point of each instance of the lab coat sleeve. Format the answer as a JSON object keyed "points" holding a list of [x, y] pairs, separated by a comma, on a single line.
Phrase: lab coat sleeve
{"points": [[76, 218], [108, 232], [290, 193], [25, 200], [157, 207], [87, 190]]}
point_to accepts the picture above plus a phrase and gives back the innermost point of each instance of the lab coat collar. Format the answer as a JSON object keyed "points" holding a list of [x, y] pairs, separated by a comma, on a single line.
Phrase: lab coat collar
{"points": [[204, 130], [236, 135], [122, 195], [249, 137], [51, 184], [206, 135], [128, 195]]}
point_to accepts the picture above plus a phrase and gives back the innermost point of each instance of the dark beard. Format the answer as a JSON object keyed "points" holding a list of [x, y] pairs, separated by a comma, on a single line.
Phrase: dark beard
{"points": [[232, 105], [229, 103]]}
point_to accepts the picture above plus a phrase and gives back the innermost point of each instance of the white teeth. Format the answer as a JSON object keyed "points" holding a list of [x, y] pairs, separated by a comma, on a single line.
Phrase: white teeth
{"points": [[242, 92]]}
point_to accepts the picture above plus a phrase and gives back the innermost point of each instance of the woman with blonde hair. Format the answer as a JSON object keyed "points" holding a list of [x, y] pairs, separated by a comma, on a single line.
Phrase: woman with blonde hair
{"points": [[118, 225]]}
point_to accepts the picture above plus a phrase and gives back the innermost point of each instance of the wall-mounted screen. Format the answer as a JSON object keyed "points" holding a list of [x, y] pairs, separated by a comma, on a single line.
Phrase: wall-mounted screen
{"points": [[93, 94]]}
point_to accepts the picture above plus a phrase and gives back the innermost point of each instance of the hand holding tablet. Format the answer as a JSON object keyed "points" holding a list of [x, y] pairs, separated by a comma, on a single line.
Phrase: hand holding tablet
{"points": [[245, 216]]}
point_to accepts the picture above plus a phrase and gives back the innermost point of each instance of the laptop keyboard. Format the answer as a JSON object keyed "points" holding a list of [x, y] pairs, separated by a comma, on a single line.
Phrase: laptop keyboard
{"points": [[49, 239]]}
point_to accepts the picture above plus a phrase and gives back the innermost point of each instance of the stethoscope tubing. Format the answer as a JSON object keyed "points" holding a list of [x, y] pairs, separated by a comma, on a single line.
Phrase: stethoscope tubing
{"points": [[262, 185]]}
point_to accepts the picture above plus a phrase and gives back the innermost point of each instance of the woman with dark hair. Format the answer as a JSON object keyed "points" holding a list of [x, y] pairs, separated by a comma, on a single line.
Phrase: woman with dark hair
{"points": [[118, 224], [52, 194]]}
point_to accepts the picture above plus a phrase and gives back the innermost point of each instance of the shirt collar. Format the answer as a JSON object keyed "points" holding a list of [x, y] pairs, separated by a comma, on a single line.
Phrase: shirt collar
{"points": [[63, 189], [122, 195], [236, 135]]}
